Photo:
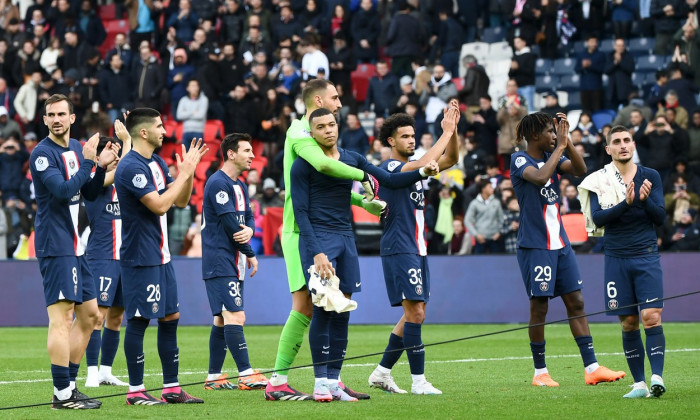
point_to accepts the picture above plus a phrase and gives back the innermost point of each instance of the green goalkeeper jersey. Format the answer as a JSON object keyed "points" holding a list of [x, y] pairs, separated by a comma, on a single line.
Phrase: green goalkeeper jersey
{"points": [[299, 143]]}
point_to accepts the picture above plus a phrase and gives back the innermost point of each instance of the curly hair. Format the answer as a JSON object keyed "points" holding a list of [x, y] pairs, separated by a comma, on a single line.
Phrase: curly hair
{"points": [[531, 125], [393, 123]]}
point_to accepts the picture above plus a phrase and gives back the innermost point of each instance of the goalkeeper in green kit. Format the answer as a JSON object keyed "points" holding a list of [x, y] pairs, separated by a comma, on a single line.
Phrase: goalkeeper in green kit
{"points": [[318, 93]]}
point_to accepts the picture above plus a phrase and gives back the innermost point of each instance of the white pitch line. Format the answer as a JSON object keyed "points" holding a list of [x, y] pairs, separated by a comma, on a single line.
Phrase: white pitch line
{"points": [[353, 365]]}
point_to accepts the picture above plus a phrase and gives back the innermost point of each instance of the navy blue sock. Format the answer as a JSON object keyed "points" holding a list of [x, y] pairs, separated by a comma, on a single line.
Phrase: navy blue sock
{"points": [[235, 340], [319, 341], [634, 353], [133, 349], [416, 356], [392, 352], [217, 349], [61, 377], [168, 351], [110, 344], [338, 340], [538, 354], [73, 369], [656, 347], [585, 347], [92, 352]]}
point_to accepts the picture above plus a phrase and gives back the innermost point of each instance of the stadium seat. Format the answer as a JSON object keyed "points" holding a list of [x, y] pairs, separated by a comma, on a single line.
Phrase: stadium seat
{"points": [[563, 66], [603, 117], [578, 47], [258, 147], [641, 46], [173, 129], [575, 227], [639, 79], [563, 98], [360, 80], [259, 164], [113, 27], [214, 152], [500, 50], [570, 82], [459, 82], [574, 100], [480, 50], [497, 66], [545, 83], [650, 63], [168, 150], [606, 46], [543, 66], [213, 130], [573, 116], [107, 12], [368, 231], [495, 34]]}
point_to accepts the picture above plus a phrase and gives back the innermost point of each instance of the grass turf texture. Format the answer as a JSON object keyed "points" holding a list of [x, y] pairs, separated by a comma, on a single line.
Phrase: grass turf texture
{"points": [[486, 377]]}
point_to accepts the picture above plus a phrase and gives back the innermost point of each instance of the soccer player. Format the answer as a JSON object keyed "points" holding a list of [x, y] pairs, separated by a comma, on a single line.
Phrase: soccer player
{"points": [[146, 191], [318, 93], [61, 169], [226, 215], [546, 260], [103, 256], [404, 248], [627, 200], [322, 211]]}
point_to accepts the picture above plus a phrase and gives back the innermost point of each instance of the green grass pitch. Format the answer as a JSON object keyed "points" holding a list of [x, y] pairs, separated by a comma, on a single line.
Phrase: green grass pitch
{"points": [[487, 377]]}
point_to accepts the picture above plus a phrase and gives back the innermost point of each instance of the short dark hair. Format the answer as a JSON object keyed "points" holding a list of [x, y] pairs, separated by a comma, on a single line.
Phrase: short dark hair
{"points": [[312, 88], [531, 125], [615, 129], [138, 117], [320, 112], [57, 97], [483, 184], [231, 141], [393, 123], [103, 142]]}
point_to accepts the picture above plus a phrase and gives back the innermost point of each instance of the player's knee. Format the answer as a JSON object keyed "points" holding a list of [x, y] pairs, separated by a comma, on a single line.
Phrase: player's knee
{"points": [[171, 317], [651, 318], [416, 315], [629, 323], [100, 319]]}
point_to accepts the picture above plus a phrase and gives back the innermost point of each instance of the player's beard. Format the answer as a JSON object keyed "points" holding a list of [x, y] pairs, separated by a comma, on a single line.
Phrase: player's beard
{"points": [[406, 153], [625, 160]]}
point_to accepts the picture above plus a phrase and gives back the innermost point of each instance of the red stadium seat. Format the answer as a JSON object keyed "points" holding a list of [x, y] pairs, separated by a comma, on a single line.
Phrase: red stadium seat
{"points": [[107, 12], [173, 129], [213, 153], [113, 27], [258, 147], [259, 164], [214, 129], [575, 227], [360, 80]]}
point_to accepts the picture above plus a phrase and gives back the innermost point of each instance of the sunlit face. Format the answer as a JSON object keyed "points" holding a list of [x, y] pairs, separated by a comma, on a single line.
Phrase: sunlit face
{"points": [[404, 141], [324, 130], [58, 118], [621, 147], [243, 157], [154, 132]]}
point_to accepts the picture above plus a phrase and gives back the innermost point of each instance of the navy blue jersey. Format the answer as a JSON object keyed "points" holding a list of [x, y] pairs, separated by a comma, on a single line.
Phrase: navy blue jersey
{"points": [[404, 220], [324, 202], [540, 220], [105, 226], [221, 255], [144, 233], [60, 176], [630, 230]]}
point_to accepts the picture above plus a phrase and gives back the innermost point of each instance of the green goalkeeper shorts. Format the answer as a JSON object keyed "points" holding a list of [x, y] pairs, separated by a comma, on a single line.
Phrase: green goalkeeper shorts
{"points": [[295, 272]]}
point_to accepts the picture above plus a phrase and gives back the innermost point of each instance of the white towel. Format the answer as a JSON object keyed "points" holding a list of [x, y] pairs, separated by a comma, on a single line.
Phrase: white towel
{"points": [[326, 294], [607, 184]]}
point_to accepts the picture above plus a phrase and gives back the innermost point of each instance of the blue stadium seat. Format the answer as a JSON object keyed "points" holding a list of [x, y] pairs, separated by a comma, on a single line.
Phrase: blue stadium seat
{"points": [[641, 79], [578, 47], [570, 82], [543, 66], [640, 46], [545, 83], [603, 117], [574, 100], [650, 63], [564, 66], [495, 34], [606, 45]]}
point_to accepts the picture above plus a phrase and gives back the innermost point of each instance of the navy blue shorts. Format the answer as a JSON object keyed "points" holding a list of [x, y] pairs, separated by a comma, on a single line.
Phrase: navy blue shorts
{"points": [[549, 273], [342, 254], [66, 279], [149, 292], [107, 275], [407, 277], [632, 281], [225, 294]]}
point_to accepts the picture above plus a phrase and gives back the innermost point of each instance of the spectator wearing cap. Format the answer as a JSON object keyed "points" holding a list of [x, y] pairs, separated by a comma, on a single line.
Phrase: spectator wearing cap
{"points": [[619, 68], [270, 195], [30, 141], [141, 25], [26, 101], [116, 88], [185, 21], [354, 137], [408, 95], [383, 88], [551, 101], [8, 126], [365, 29], [405, 40], [590, 65], [476, 83], [178, 77], [522, 70], [448, 44], [341, 60], [192, 111]]}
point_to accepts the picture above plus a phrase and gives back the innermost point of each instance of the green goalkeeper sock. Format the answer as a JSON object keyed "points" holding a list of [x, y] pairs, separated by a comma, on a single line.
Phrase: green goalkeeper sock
{"points": [[290, 341]]}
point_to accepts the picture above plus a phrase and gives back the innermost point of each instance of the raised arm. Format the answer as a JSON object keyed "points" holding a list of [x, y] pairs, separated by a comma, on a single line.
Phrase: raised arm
{"points": [[448, 141]]}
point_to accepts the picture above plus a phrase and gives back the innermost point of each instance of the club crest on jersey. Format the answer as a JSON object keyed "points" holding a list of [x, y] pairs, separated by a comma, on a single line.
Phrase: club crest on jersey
{"points": [[41, 163], [544, 286], [71, 164], [520, 161], [222, 197], [139, 180], [104, 296], [613, 304], [154, 308], [238, 301], [419, 290]]}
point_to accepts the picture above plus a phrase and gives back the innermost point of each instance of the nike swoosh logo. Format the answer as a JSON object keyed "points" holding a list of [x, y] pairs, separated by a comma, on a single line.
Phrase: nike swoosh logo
{"points": [[358, 284], [651, 300], [630, 351], [580, 282], [655, 348], [326, 347]]}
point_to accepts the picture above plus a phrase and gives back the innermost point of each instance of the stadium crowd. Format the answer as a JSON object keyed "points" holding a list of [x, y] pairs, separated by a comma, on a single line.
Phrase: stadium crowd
{"points": [[218, 66]]}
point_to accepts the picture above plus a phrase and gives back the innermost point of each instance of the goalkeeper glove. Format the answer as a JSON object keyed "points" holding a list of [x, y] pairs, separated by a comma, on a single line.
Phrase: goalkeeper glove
{"points": [[377, 207], [371, 186]]}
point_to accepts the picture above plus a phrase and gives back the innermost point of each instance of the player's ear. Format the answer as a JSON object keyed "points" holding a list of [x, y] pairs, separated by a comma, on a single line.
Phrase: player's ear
{"points": [[607, 149]]}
